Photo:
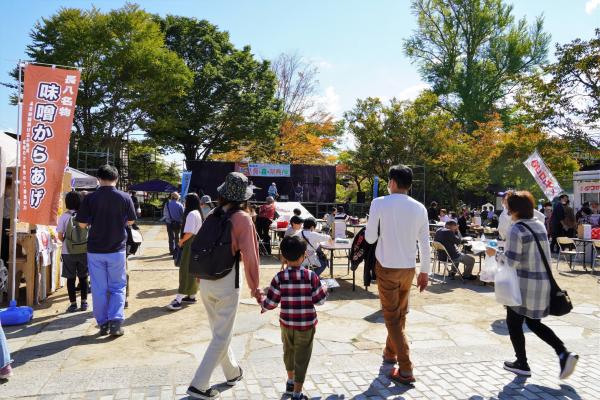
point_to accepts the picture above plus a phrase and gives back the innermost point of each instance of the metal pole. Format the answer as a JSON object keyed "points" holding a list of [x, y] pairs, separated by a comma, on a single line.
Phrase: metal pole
{"points": [[16, 191]]}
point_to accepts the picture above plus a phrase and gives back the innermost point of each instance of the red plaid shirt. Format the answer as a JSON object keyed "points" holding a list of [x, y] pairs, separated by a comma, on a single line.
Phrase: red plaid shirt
{"points": [[298, 290]]}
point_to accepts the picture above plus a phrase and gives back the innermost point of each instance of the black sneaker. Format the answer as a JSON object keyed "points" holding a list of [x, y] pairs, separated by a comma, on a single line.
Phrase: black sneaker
{"points": [[232, 382], [518, 368], [104, 329], [126, 304], [208, 394], [289, 387], [188, 299], [72, 308], [174, 305], [300, 396], [452, 275], [568, 361], [116, 329], [470, 277]]}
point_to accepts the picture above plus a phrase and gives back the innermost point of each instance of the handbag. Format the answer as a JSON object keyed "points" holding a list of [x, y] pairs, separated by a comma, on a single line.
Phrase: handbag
{"points": [[175, 225], [560, 302]]}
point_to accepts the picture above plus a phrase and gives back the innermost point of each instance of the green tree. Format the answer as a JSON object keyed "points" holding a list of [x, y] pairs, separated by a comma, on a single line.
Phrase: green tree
{"points": [[126, 69], [231, 100], [146, 161], [472, 52]]}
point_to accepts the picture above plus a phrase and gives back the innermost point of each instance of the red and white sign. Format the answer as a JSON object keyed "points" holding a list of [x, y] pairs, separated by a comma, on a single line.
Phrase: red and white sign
{"points": [[49, 97], [589, 187], [543, 176]]}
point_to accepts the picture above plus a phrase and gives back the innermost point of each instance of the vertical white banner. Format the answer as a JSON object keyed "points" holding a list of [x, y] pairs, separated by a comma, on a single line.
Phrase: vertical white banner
{"points": [[543, 176]]}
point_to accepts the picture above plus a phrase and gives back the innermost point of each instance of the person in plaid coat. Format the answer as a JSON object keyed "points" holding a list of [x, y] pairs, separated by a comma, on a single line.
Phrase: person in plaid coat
{"points": [[521, 252]]}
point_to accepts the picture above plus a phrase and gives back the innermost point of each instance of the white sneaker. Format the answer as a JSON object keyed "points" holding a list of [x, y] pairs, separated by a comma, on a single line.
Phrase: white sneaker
{"points": [[174, 305]]}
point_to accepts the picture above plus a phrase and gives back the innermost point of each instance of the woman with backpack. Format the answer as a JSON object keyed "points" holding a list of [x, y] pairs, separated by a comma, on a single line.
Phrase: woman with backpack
{"points": [[188, 285], [221, 295], [74, 251]]}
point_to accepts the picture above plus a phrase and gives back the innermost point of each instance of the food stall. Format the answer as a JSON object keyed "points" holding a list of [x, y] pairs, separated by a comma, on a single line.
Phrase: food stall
{"points": [[586, 187]]}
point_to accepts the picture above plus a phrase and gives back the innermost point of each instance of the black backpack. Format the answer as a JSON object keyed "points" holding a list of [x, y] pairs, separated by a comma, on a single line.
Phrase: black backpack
{"points": [[212, 258]]}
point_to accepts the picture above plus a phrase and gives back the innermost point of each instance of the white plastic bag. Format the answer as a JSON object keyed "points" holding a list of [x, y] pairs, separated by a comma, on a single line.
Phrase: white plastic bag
{"points": [[506, 286], [488, 270]]}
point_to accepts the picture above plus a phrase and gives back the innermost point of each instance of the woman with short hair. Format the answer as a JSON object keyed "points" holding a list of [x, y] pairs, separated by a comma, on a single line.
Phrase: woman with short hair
{"points": [[522, 253]]}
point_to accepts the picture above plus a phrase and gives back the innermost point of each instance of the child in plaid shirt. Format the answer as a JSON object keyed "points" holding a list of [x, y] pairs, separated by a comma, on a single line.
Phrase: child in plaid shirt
{"points": [[298, 290]]}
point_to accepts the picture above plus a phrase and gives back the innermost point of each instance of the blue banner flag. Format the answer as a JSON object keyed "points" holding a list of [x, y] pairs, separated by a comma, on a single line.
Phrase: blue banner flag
{"points": [[376, 187], [186, 178]]}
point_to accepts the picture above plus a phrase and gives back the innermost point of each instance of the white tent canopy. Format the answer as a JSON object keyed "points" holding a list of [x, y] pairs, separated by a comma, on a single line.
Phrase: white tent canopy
{"points": [[81, 180]]}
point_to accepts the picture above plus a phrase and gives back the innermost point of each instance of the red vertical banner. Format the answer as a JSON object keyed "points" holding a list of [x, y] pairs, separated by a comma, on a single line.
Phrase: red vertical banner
{"points": [[49, 97]]}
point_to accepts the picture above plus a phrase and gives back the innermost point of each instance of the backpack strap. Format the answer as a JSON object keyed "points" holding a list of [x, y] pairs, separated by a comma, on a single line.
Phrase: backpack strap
{"points": [[237, 270]]}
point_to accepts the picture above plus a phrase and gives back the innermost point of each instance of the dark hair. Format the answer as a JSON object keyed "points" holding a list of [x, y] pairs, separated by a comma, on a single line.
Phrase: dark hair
{"points": [[433, 204], [451, 222], [484, 208], [562, 196], [296, 220], [309, 223], [233, 205], [297, 211], [402, 175], [547, 204], [108, 173], [192, 202], [443, 210], [292, 248], [522, 204], [73, 200], [334, 209]]}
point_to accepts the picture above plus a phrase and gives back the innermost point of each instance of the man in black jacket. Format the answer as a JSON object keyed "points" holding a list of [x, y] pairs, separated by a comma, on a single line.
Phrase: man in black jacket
{"points": [[450, 237]]}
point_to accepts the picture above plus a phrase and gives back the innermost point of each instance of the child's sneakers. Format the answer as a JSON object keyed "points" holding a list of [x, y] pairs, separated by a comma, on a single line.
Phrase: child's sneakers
{"points": [[289, 387]]}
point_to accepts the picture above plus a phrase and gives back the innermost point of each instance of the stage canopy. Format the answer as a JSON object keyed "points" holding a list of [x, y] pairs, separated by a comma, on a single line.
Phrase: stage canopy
{"points": [[154, 185]]}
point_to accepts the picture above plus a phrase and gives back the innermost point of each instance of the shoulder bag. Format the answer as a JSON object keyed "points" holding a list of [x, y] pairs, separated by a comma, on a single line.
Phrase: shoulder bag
{"points": [[560, 302], [320, 255]]}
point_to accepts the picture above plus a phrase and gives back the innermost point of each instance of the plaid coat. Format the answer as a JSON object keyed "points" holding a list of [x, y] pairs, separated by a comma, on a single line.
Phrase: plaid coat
{"points": [[521, 252]]}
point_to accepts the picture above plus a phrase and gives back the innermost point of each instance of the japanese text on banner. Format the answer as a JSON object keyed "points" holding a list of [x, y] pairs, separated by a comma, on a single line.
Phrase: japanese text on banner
{"points": [[49, 98]]}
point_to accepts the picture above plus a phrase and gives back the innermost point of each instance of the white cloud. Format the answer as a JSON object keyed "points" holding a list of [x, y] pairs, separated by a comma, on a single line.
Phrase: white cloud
{"points": [[591, 5], [412, 92], [320, 63], [329, 102]]}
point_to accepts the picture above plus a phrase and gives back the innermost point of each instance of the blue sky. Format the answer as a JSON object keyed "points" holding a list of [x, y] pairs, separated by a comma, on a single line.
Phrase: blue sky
{"points": [[357, 44]]}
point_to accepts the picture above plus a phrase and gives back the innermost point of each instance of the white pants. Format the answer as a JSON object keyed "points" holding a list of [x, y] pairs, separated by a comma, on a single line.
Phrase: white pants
{"points": [[221, 300]]}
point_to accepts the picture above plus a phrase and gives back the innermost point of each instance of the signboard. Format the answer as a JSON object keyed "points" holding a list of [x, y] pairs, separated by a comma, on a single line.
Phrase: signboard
{"points": [[49, 98], [543, 176], [589, 187], [263, 170], [186, 178]]}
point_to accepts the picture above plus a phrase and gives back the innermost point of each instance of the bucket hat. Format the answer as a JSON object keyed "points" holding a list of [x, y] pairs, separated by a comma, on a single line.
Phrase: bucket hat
{"points": [[235, 187]]}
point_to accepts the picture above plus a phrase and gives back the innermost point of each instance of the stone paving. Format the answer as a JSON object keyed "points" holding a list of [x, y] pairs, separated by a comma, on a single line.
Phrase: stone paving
{"points": [[457, 333]]}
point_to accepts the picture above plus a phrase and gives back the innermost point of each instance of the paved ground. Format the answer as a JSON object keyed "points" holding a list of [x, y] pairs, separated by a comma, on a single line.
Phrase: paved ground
{"points": [[457, 332]]}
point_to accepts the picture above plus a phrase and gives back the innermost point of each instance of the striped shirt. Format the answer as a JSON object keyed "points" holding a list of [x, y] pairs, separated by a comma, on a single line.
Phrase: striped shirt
{"points": [[298, 290]]}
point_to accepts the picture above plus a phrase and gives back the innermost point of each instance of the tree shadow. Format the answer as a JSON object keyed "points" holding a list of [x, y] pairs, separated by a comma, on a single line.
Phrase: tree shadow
{"points": [[59, 323], [51, 348], [155, 293], [344, 292], [519, 384]]}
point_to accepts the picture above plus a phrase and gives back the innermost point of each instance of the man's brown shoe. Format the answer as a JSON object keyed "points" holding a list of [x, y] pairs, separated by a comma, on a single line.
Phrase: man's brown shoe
{"points": [[396, 376]]}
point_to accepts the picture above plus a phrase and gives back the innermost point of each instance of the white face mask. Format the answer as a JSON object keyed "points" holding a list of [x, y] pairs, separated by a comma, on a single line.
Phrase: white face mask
{"points": [[389, 190]]}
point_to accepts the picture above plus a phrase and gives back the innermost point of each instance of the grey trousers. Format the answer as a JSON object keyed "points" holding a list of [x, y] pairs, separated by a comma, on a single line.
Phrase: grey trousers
{"points": [[468, 261]]}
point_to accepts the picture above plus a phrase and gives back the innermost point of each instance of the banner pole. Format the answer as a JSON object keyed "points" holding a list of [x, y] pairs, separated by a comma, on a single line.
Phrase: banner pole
{"points": [[16, 192]]}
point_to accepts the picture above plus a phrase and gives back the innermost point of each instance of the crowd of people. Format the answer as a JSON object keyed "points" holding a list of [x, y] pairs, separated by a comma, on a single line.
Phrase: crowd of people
{"points": [[94, 235]]}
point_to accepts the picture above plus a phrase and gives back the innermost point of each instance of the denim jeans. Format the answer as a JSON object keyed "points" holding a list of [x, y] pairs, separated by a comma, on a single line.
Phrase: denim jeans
{"points": [[108, 276], [4, 353]]}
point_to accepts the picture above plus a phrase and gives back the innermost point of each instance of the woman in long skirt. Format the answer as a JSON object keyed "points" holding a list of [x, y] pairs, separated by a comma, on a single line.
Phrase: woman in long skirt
{"points": [[188, 285]]}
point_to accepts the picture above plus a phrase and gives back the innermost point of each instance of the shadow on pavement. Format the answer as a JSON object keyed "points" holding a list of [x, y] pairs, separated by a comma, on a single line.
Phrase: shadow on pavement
{"points": [[146, 314], [519, 384], [156, 293], [396, 390], [344, 292]]}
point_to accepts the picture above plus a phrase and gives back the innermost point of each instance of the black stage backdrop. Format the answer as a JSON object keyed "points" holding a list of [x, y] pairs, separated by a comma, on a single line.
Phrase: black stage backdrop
{"points": [[318, 181]]}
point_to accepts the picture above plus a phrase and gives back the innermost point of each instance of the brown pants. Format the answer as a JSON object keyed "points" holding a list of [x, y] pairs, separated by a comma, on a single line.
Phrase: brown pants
{"points": [[394, 289]]}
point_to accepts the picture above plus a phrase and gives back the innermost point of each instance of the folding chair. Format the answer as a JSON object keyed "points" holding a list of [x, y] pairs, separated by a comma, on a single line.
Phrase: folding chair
{"points": [[567, 248], [437, 248]]}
